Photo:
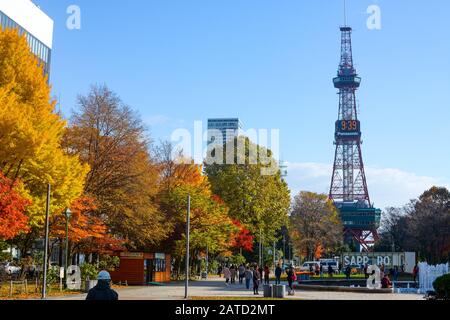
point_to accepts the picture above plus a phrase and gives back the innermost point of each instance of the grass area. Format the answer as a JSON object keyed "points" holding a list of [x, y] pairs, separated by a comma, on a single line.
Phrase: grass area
{"points": [[31, 292], [338, 276]]}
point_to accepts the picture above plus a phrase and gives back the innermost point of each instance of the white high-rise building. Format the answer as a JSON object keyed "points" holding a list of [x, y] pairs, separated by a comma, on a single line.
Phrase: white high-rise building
{"points": [[31, 21]]}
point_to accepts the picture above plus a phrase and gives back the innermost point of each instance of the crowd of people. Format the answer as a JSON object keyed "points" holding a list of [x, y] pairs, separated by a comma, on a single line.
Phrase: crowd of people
{"points": [[254, 275]]}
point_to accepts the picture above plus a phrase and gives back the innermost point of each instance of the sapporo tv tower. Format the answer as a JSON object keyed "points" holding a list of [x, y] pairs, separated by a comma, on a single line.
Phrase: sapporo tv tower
{"points": [[349, 190]]}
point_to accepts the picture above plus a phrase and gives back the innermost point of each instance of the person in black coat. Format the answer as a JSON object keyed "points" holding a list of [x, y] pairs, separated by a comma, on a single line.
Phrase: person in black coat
{"points": [[102, 291], [278, 273], [256, 280]]}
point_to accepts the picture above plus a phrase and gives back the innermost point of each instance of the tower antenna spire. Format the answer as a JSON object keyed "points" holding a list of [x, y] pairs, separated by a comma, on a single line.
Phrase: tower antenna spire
{"points": [[345, 13]]}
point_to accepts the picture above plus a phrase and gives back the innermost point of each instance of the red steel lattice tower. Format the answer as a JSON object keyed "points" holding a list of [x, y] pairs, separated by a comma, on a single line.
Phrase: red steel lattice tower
{"points": [[348, 186]]}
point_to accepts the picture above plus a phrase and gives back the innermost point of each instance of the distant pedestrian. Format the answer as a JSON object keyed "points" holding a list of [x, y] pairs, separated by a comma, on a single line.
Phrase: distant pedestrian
{"points": [[219, 271], [256, 280], [266, 275], [395, 275], [278, 272], [233, 274], [321, 270], [348, 272], [248, 277], [227, 275], [291, 278], [330, 271], [241, 273], [102, 291], [386, 282], [416, 273]]}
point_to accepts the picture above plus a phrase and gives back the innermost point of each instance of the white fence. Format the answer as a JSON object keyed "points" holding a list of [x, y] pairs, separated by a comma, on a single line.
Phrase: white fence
{"points": [[427, 275]]}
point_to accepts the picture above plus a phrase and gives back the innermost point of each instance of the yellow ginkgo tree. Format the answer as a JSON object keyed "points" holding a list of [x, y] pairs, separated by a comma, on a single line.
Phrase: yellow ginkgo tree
{"points": [[31, 132]]}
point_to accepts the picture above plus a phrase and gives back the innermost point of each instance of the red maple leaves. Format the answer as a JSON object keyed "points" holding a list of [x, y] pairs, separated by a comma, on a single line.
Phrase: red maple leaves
{"points": [[243, 238], [12, 210]]}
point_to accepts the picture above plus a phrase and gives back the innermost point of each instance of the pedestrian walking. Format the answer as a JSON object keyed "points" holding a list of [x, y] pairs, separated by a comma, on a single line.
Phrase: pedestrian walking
{"points": [[248, 277], [102, 291], [256, 280], [321, 270], [291, 278], [227, 275], [233, 274], [266, 275], [219, 271], [278, 272], [241, 273]]}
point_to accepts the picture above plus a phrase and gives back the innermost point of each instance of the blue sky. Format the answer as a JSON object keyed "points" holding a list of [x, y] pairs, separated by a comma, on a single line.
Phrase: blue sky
{"points": [[270, 63]]}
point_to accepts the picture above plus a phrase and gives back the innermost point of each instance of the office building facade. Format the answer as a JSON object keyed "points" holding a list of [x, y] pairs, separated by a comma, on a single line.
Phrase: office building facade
{"points": [[31, 21], [228, 127]]}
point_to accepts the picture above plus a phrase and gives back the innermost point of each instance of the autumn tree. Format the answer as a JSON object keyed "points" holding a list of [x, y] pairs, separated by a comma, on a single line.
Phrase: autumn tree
{"points": [[422, 226], [31, 132], [242, 239], [87, 230], [314, 225], [211, 227], [256, 196], [108, 136], [13, 205]]}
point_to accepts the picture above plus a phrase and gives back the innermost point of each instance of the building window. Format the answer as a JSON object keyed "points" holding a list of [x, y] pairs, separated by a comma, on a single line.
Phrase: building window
{"points": [[160, 265]]}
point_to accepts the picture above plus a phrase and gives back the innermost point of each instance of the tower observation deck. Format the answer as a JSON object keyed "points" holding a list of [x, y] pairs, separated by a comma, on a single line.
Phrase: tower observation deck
{"points": [[349, 190]]}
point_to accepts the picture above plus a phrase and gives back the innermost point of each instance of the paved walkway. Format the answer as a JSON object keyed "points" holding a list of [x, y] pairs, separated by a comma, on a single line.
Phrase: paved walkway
{"points": [[217, 288]]}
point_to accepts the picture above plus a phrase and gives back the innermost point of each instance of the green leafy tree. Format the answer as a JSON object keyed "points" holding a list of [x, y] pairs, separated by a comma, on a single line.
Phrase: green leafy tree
{"points": [[251, 187]]}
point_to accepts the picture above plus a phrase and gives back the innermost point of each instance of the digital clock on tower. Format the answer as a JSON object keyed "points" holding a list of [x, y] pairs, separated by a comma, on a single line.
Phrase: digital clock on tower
{"points": [[348, 126]]}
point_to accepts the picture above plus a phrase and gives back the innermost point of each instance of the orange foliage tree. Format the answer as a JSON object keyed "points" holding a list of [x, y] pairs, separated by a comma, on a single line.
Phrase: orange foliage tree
{"points": [[12, 209], [88, 232]]}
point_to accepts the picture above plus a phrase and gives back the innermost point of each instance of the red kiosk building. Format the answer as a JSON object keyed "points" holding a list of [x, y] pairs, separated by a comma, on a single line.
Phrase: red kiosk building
{"points": [[139, 268]]}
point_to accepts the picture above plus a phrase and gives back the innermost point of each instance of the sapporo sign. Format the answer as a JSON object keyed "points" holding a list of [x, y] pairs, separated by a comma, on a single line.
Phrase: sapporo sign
{"points": [[388, 259]]}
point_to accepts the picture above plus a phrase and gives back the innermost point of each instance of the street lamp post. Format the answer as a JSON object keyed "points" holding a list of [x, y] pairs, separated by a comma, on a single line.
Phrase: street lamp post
{"points": [[67, 213], [47, 213], [207, 260], [274, 256], [260, 247], [188, 222]]}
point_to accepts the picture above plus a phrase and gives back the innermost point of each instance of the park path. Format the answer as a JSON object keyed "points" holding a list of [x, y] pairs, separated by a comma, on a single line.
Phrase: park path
{"points": [[217, 288]]}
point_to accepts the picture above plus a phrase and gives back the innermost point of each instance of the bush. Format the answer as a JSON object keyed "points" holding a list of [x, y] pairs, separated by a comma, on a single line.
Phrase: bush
{"points": [[238, 259], [109, 263], [88, 271], [442, 287]]}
